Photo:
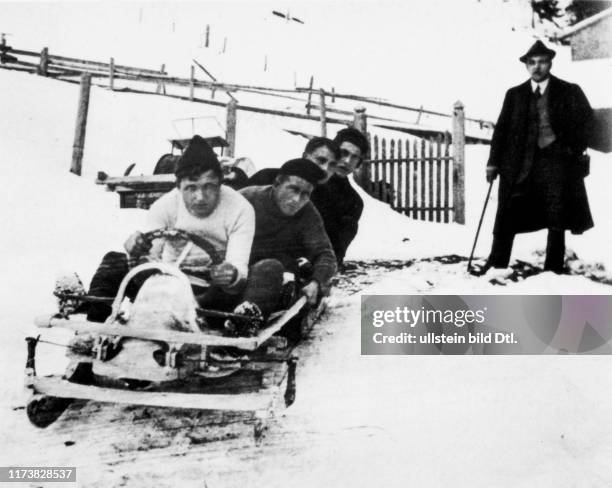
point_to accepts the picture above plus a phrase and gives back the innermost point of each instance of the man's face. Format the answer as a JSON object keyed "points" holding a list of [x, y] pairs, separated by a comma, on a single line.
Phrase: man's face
{"points": [[324, 158], [201, 195], [292, 194], [538, 67], [350, 157]]}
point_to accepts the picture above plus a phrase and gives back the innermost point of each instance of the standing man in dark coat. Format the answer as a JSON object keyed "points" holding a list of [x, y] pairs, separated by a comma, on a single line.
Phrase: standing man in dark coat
{"points": [[537, 150]]}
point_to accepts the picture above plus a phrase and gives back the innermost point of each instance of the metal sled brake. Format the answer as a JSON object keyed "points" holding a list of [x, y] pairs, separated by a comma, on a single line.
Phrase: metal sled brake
{"points": [[156, 351]]}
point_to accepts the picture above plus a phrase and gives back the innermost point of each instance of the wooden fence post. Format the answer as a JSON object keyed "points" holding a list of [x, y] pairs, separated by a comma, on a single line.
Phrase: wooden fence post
{"points": [[161, 86], [322, 113], [230, 127], [111, 74], [44, 62], [81, 125], [459, 163], [309, 95], [191, 82], [360, 120]]}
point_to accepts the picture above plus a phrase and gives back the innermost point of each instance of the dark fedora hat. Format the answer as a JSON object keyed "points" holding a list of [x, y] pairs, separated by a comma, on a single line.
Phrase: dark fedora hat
{"points": [[538, 49]]}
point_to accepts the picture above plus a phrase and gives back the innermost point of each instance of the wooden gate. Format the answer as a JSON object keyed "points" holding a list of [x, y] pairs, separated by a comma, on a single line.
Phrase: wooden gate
{"points": [[415, 177]]}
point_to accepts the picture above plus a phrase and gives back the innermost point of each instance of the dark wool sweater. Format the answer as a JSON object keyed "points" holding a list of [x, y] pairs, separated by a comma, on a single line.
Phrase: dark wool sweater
{"points": [[340, 207], [278, 236]]}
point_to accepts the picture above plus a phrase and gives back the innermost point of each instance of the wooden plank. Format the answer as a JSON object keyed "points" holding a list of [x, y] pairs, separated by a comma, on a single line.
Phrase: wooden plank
{"points": [[84, 65], [243, 402], [430, 171], [161, 88], [399, 195], [438, 164], [374, 169], [81, 125], [230, 127], [447, 186], [309, 95], [191, 82], [209, 74], [360, 119], [390, 187], [366, 169], [459, 163], [383, 170], [407, 180], [44, 62], [111, 74], [246, 343], [375, 156], [423, 201], [322, 113], [136, 181], [415, 181], [291, 312]]}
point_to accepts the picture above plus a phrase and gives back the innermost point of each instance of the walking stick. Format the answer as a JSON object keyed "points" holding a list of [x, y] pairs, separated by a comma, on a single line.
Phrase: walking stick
{"points": [[484, 209]]}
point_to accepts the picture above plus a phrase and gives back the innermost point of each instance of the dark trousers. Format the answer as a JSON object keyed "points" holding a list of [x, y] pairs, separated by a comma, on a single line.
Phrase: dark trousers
{"points": [[538, 194], [555, 250], [263, 287]]}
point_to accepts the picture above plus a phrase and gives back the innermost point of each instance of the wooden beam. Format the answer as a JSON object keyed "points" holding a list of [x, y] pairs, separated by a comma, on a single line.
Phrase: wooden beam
{"points": [[322, 113], [81, 125], [191, 82], [230, 127], [360, 121], [459, 162], [111, 74], [309, 96], [243, 402], [44, 62], [213, 79]]}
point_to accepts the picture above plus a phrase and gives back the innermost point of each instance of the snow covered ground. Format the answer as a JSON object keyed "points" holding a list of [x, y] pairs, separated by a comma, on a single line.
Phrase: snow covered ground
{"points": [[381, 421]]}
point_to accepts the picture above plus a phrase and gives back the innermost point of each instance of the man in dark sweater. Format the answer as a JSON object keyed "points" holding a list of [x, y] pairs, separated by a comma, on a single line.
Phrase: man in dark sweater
{"points": [[288, 227], [338, 203]]}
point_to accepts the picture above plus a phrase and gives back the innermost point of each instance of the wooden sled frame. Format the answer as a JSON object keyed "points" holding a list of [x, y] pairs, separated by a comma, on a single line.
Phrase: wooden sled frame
{"points": [[175, 337]]}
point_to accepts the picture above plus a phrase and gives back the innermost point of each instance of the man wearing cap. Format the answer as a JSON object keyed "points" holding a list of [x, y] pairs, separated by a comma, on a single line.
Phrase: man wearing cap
{"points": [[287, 228], [537, 150], [201, 205], [336, 200]]}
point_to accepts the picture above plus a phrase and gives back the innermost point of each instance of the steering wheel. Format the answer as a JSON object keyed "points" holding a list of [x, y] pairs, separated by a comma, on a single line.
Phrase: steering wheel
{"points": [[179, 234]]}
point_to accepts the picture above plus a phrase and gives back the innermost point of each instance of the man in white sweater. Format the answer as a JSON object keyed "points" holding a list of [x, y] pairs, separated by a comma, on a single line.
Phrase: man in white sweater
{"points": [[203, 207]]}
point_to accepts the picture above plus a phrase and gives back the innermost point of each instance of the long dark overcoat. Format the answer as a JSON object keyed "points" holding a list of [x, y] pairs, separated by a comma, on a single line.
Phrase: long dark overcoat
{"points": [[570, 117]]}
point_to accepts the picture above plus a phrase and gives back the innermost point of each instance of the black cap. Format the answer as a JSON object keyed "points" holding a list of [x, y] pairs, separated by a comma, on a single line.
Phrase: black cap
{"points": [[305, 169], [353, 136], [197, 158], [538, 49]]}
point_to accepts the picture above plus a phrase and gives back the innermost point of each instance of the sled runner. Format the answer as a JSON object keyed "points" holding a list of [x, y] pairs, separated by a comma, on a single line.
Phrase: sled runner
{"points": [[159, 349]]}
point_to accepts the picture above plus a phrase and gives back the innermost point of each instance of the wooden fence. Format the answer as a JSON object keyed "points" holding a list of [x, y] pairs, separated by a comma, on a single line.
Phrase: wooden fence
{"points": [[423, 179]]}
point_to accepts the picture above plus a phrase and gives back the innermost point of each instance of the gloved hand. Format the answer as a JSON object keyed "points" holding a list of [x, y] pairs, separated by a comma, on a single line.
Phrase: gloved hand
{"points": [[136, 245], [492, 173], [311, 292], [223, 274]]}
